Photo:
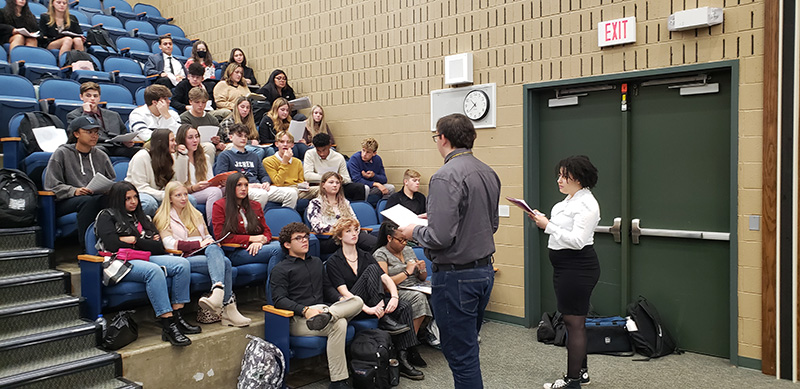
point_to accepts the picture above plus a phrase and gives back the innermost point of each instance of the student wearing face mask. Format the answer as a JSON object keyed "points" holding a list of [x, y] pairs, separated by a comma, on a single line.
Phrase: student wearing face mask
{"points": [[201, 55]]}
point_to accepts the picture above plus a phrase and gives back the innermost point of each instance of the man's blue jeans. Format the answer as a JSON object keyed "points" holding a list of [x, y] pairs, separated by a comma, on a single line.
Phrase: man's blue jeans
{"points": [[459, 299]]}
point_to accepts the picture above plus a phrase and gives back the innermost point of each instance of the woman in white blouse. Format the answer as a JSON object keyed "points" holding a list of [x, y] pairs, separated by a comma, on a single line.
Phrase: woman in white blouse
{"points": [[576, 268]]}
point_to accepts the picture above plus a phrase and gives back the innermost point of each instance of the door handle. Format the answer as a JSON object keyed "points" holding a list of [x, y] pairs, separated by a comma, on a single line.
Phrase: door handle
{"points": [[637, 231], [613, 229]]}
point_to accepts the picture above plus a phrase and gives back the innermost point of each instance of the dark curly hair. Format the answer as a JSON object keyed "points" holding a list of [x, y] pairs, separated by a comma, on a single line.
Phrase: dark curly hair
{"points": [[288, 230], [578, 168]]}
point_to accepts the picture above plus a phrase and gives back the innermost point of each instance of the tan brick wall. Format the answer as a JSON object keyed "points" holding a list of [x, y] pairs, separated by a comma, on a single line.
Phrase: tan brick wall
{"points": [[373, 63]]}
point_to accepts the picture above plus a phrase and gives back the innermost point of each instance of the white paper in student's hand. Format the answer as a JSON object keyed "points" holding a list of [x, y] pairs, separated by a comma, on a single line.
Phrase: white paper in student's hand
{"points": [[99, 184], [301, 103], [49, 138], [297, 128], [208, 106], [206, 132], [403, 216], [126, 137]]}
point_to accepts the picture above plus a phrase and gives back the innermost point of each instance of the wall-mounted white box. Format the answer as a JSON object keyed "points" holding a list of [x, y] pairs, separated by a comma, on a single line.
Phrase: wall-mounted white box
{"points": [[691, 19], [458, 69]]}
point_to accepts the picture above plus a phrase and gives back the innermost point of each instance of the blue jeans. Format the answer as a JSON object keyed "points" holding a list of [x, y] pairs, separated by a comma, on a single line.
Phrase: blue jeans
{"points": [[257, 150], [267, 252], [152, 276], [150, 204], [217, 266], [459, 299]]}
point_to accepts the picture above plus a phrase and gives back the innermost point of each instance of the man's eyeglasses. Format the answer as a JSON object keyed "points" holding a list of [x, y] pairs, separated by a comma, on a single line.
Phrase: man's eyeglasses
{"points": [[300, 238], [436, 137]]}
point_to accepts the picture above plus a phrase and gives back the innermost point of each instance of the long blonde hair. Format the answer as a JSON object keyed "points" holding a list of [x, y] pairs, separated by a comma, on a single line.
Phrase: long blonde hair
{"points": [[278, 124], [190, 216], [51, 13], [249, 122], [341, 203], [314, 128]]}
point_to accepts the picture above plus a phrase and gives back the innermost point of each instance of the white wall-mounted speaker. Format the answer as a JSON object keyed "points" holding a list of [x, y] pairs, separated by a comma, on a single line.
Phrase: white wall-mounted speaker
{"points": [[458, 69]]}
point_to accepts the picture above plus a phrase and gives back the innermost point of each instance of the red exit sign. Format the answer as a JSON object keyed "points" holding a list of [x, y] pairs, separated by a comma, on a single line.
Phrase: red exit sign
{"points": [[616, 32]]}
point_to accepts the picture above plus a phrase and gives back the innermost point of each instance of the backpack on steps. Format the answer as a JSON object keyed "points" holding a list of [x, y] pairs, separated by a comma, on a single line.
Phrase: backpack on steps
{"points": [[262, 365], [369, 359], [651, 338]]}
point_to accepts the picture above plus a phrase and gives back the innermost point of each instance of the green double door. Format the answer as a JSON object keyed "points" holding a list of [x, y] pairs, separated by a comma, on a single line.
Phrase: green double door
{"points": [[664, 193]]}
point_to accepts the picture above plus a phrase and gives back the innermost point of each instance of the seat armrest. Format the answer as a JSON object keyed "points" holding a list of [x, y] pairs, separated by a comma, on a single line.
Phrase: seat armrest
{"points": [[173, 251], [47, 217], [276, 330], [91, 285], [10, 155], [275, 311]]}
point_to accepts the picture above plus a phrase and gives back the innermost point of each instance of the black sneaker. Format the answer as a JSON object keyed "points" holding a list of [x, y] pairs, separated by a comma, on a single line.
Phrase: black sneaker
{"points": [[585, 380], [564, 383], [318, 321]]}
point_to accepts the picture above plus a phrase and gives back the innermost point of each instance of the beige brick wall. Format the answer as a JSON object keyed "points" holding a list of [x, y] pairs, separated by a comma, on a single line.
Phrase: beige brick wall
{"points": [[373, 63]]}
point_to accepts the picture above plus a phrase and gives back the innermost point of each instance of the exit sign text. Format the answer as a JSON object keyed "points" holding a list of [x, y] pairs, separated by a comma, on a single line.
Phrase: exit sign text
{"points": [[616, 32]]}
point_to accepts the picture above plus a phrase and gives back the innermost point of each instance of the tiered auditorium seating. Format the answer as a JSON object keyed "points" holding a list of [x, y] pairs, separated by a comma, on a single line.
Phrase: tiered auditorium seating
{"points": [[34, 62], [143, 30], [17, 95], [59, 97], [111, 24], [153, 15], [118, 99], [127, 72], [135, 48]]}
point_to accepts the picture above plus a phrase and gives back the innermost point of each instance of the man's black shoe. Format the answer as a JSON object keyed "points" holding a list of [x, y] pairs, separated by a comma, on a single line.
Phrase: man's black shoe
{"points": [[319, 321], [415, 359], [408, 371], [391, 326], [339, 384]]}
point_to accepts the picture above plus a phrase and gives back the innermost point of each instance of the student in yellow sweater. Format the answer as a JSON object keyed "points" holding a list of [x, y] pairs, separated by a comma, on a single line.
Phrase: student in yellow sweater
{"points": [[286, 170]]}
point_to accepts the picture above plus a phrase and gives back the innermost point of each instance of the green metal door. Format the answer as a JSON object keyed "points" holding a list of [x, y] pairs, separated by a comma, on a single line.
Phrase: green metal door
{"points": [[664, 163]]}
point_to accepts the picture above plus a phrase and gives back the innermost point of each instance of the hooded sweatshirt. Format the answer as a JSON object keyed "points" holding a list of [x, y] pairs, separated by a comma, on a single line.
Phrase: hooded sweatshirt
{"points": [[68, 169]]}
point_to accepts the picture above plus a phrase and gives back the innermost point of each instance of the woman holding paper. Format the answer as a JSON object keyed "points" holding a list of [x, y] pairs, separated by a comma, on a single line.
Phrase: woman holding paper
{"points": [[231, 87], [194, 167], [55, 22], [330, 206], [18, 25], [181, 228], [576, 268]]}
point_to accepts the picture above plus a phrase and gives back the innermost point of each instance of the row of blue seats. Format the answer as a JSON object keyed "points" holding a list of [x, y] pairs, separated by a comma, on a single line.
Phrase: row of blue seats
{"points": [[117, 8]]}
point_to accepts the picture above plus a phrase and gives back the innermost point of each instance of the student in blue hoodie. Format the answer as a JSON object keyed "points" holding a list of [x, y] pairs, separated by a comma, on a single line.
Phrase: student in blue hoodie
{"points": [[248, 163], [366, 167]]}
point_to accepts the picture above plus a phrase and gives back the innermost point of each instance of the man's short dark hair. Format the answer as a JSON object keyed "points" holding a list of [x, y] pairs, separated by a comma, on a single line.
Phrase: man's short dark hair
{"points": [[321, 140], [579, 168], [196, 69], [165, 36], [288, 230], [239, 129], [458, 129], [154, 93]]}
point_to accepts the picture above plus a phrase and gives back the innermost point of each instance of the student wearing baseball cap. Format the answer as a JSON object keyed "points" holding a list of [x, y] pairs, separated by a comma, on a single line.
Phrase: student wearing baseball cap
{"points": [[70, 169]]}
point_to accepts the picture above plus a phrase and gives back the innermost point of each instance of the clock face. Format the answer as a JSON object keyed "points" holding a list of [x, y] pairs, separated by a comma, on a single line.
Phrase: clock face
{"points": [[476, 105]]}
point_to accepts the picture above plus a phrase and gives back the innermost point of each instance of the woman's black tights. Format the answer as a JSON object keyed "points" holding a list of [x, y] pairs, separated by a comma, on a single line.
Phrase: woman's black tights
{"points": [[576, 344]]}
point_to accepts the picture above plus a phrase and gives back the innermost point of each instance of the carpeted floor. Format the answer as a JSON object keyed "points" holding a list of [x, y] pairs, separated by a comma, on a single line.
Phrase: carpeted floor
{"points": [[512, 358]]}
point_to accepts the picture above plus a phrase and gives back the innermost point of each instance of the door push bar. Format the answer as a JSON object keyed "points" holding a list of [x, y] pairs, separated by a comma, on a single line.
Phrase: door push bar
{"points": [[613, 230], [637, 231]]}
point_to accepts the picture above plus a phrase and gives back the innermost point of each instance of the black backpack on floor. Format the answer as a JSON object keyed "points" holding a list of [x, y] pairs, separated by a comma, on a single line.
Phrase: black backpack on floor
{"points": [[652, 338], [18, 199], [552, 329], [369, 359]]}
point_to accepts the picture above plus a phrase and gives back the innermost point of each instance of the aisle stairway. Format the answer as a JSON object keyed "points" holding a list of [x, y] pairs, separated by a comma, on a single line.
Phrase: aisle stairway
{"points": [[43, 341]]}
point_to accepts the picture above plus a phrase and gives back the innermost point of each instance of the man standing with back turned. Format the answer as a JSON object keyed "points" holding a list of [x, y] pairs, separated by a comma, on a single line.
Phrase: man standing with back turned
{"points": [[462, 219]]}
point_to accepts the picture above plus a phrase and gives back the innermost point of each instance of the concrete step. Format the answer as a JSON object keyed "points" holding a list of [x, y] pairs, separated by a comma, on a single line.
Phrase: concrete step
{"points": [[25, 261]]}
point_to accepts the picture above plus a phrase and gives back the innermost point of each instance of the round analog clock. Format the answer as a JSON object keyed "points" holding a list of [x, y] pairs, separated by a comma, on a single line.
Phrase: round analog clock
{"points": [[476, 105]]}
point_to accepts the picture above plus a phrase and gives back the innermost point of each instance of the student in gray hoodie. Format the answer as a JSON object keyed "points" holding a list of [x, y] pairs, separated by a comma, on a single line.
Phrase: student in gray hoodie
{"points": [[70, 169]]}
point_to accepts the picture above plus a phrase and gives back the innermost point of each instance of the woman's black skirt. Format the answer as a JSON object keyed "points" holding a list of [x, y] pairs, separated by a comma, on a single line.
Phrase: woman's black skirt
{"points": [[575, 273]]}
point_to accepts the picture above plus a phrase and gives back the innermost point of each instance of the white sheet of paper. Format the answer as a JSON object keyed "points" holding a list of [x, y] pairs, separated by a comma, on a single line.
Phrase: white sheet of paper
{"points": [[24, 32], [208, 106], [301, 103], [49, 138], [403, 216], [419, 288], [125, 137], [297, 128], [206, 132], [99, 184]]}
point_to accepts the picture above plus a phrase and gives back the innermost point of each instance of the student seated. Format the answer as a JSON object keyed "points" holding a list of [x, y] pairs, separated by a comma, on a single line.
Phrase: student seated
{"points": [[241, 160], [15, 16], [168, 68], [299, 284], [243, 114], [151, 169], [354, 272], [409, 197], [202, 56], [182, 228], [124, 225], [366, 168], [240, 221], [316, 124], [238, 57], [194, 167], [330, 206], [72, 166], [231, 87], [275, 121], [287, 171], [277, 86], [323, 158], [54, 22], [196, 114], [154, 114], [110, 122], [180, 101]]}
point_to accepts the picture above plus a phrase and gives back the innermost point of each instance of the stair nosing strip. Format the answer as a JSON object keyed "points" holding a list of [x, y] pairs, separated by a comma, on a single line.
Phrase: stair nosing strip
{"points": [[60, 370], [24, 253], [39, 306], [34, 278], [48, 336]]}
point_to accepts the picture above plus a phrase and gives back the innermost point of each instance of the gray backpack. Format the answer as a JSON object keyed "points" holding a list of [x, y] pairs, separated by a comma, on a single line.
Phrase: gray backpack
{"points": [[262, 365]]}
